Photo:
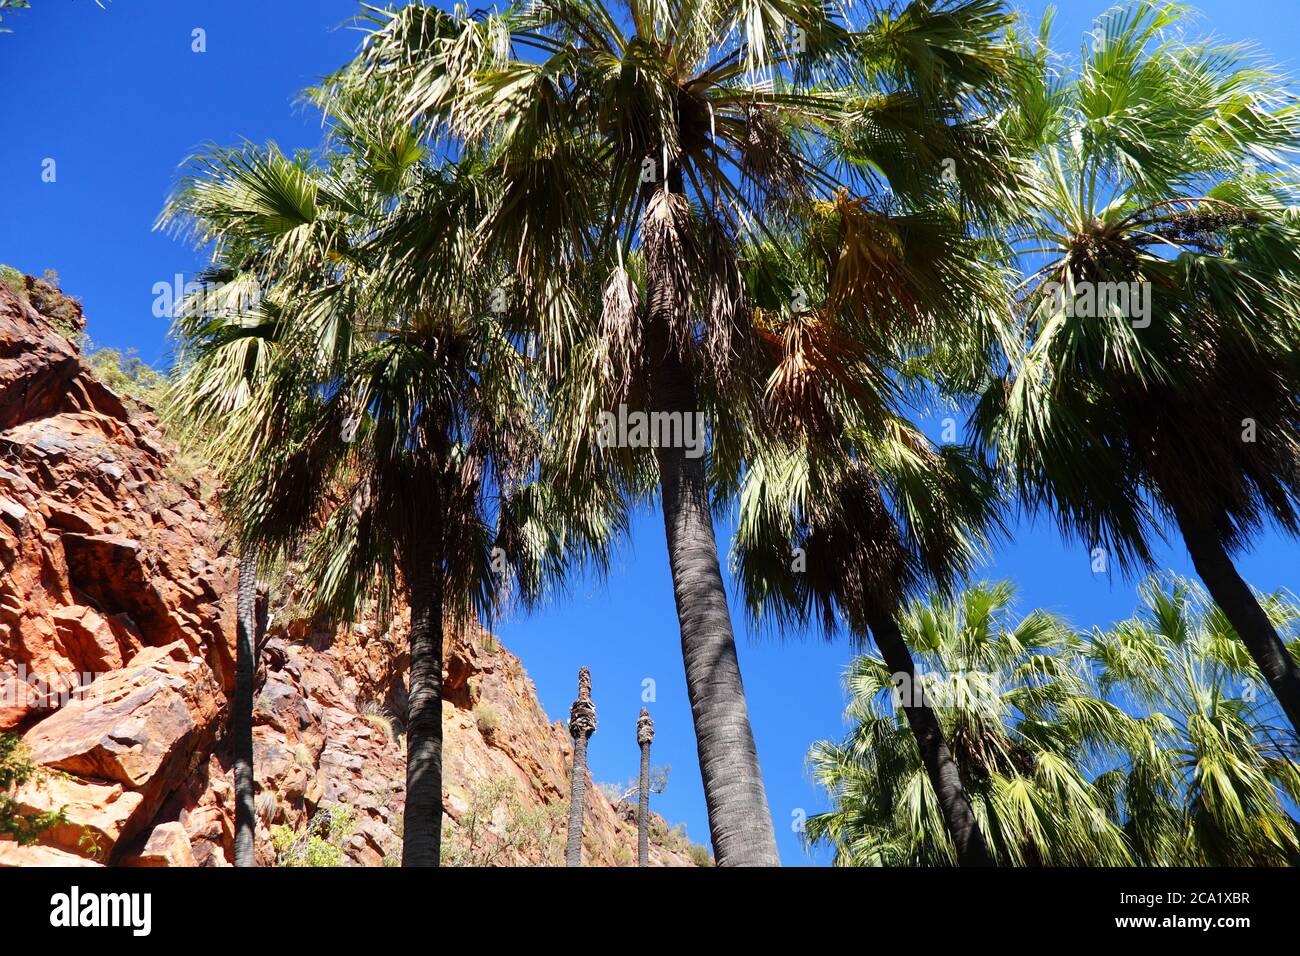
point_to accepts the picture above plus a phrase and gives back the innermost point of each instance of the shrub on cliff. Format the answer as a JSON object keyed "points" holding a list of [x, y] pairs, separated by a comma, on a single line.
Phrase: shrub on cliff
{"points": [[320, 843], [500, 829], [17, 769], [127, 374]]}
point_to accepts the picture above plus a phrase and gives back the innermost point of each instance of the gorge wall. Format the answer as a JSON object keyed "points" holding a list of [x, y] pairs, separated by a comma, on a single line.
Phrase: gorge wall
{"points": [[117, 659]]}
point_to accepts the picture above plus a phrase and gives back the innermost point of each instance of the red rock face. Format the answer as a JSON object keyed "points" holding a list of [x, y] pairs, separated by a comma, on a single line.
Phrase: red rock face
{"points": [[116, 659], [102, 554]]}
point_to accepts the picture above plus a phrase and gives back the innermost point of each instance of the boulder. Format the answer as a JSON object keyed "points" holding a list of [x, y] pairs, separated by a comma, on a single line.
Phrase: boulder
{"points": [[96, 812], [167, 845], [144, 726], [11, 854]]}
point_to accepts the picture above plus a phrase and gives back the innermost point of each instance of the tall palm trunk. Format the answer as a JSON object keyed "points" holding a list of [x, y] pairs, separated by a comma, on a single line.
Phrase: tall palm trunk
{"points": [[645, 732], [241, 705], [1238, 603], [582, 724], [739, 821], [422, 822], [940, 767]]}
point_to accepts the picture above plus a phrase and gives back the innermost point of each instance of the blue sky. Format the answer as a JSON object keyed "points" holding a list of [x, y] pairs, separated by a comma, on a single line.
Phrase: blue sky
{"points": [[118, 99]]}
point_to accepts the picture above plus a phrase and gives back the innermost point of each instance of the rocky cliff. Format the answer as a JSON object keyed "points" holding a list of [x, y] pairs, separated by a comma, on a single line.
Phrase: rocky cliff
{"points": [[116, 661]]}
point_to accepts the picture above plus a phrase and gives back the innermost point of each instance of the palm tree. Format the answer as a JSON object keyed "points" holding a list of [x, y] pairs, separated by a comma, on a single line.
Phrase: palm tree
{"points": [[1206, 778], [1162, 280], [641, 142], [1147, 744], [845, 507], [225, 337], [645, 733], [1023, 725], [582, 724], [819, 537], [241, 706], [395, 427]]}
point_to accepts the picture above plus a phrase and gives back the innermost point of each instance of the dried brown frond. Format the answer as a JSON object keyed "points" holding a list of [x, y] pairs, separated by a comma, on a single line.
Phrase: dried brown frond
{"points": [[818, 370], [672, 253], [621, 345], [871, 278]]}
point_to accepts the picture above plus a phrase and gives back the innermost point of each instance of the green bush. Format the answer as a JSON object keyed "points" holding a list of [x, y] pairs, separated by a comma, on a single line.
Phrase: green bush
{"points": [[526, 833], [17, 769], [700, 855], [46, 297], [488, 719], [14, 279], [320, 843], [128, 374]]}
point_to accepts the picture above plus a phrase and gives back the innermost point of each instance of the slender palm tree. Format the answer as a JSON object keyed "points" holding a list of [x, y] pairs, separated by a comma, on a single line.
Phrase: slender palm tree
{"points": [[1161, 264], [845, 507], [645, 733], [395, 427], [582, 724], [1023, 725], [1207, 777], [819, 538], [641, 141], [225, 336], [241, 707]]}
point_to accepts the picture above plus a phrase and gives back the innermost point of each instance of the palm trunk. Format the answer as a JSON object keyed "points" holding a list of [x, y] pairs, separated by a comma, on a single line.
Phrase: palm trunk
{"points": [[1238, 603], [577, 803], [422, 823], [582, 724], [940, 767], [739, 821], [645, 732], [241, 706]]}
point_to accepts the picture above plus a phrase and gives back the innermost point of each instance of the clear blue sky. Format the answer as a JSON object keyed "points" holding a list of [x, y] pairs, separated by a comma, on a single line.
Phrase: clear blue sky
{"points": [[118, 99]]}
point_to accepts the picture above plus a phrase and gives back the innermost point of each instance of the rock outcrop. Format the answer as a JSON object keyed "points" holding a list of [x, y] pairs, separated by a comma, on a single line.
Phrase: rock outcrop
{"points": [[116, 662]]}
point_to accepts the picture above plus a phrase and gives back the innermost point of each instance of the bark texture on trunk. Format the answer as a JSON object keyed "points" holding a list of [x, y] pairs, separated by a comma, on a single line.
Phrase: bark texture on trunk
{"points": [[422, 821], [241, 706], [577, 803], [582, 724], [739, 821], [940, 767], [1239, 604], [645, 733]]}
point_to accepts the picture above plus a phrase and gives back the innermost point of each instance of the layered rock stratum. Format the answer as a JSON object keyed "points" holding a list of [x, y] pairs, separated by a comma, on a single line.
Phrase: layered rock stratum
{"points": [[117, 662]]}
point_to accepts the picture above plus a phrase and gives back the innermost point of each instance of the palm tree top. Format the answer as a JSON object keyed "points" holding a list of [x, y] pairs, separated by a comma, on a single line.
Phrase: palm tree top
{"points": [[1165, 166], [645, 728], [582, 715]]}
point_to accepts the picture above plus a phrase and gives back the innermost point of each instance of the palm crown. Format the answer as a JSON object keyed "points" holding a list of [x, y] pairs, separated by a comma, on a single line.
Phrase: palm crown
{"points": [[1018, 716], [390, 420], [1161, 264], [1146, 744]]}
